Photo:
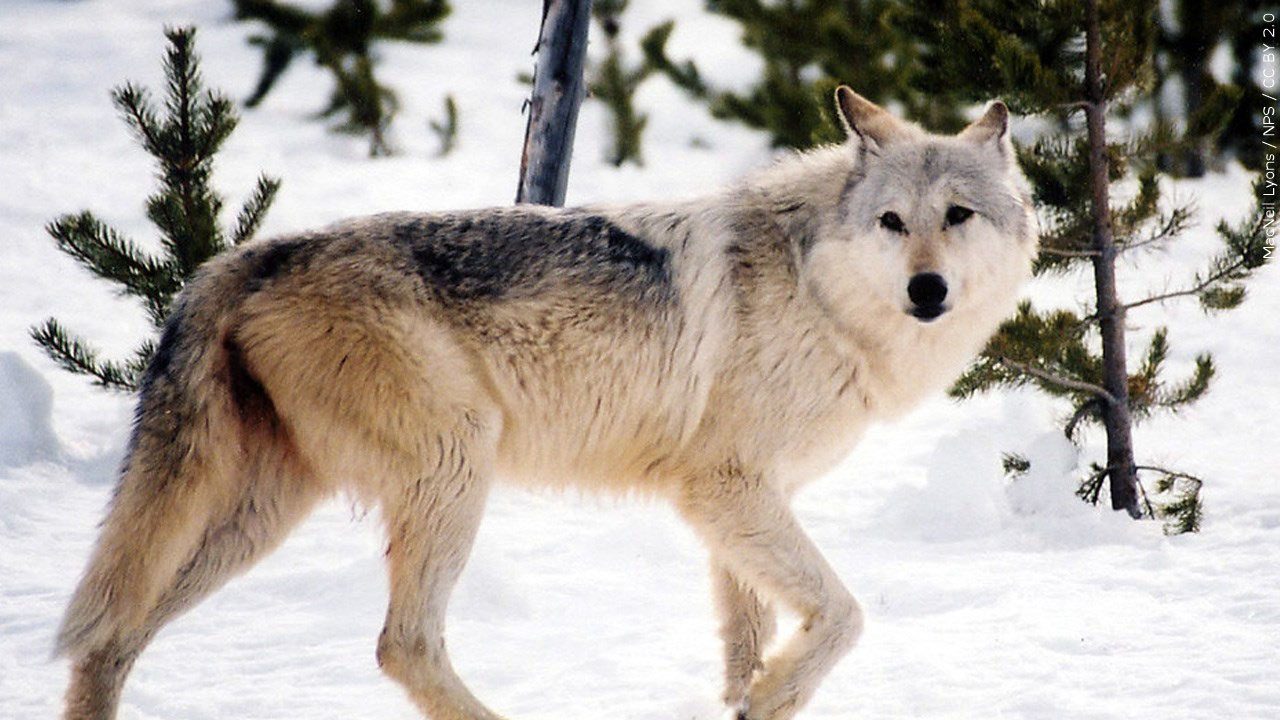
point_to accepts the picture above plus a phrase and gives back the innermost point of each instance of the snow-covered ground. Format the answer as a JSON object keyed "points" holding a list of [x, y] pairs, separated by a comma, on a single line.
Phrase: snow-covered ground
{"points": [[986, 598]]}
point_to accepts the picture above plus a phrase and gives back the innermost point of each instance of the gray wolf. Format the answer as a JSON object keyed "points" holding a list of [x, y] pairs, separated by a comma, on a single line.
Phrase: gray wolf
{"points": [[715, 353]]}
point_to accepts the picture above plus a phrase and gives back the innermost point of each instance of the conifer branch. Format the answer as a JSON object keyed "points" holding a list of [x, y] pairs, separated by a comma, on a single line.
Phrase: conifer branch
{"points": [[1202, 285], [1142, 491], [108, 254], [1068, 253], [447, 128], [1185, 512], [1054, 378], [133, 103], [1091, 406], [76, 356], [255, 209], [1175, 222]]}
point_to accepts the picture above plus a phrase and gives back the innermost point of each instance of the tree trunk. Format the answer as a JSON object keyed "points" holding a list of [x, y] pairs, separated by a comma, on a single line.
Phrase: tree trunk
{"points": [[558, 88], [1195, 40], [1116, 419]]}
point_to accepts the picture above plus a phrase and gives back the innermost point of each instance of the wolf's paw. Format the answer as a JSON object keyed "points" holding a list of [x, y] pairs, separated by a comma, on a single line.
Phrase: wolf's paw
{"points": [[735, 697], [770, 699]]}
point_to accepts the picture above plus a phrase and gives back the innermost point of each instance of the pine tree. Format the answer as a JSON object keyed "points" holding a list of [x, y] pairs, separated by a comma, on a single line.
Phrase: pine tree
{"points": [[1036, 62], [615, 84], [1244, 133], [185, 210], [341, 40], [1189, 33], [808, 47], [447, 128]]}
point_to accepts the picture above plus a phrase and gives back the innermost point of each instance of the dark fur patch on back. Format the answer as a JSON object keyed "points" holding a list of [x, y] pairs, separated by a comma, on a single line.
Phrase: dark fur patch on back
{"points": [[492, 255], [275, 258]]}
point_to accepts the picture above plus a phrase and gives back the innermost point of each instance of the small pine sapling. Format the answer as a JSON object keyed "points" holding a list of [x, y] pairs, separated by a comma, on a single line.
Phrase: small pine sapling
{"points": [[341, 39], [446, 129], [185, 210], [615, 84]]}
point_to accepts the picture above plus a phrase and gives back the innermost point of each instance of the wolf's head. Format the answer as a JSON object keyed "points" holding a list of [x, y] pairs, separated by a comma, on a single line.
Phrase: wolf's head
{"points": [[928, 228]]}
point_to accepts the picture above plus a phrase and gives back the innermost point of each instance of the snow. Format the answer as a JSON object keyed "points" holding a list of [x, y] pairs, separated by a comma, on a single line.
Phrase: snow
{"points": [[986, 597], [26, 401]]}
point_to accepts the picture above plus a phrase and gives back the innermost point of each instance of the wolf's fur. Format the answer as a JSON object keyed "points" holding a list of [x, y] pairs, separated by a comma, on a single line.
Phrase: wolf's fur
{"points": [[716, 353]]}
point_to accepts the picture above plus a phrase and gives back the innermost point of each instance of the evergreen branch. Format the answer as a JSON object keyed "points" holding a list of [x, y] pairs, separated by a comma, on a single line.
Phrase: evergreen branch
{"points": [[1090, 489], [1050, 377], [255, 208], [133, 104], [1186, 510], [684, 75], [1174, 223], [1191, 389], [1173, 474], [1224, 273], [137, 366], [1068, 253], [1089, 407], [75, 356], [447, 129], [1146, 499], [1073, 106], [108, 254]]}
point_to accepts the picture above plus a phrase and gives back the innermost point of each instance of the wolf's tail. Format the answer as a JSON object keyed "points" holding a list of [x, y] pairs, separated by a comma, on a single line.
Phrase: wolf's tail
{"points": [[204, 425]]}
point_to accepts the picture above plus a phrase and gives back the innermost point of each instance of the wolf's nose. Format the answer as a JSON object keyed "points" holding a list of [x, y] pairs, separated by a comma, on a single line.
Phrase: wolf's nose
{"points": [[927, 289]]}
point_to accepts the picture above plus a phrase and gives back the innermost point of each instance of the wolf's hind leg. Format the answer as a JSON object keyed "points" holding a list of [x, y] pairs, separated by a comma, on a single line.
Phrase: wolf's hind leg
{"points": [[749, 527], [270, 507], [747, 625], [431, 522]]}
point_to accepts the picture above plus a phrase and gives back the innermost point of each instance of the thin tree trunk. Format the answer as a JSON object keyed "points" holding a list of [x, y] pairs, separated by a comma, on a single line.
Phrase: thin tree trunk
{"points": [[1116, 419], [558, 88], [1195, 38]]}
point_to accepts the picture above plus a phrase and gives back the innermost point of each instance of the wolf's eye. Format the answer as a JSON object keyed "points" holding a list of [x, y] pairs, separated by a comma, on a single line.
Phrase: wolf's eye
{"points": [[957, 214], [890, 221]]}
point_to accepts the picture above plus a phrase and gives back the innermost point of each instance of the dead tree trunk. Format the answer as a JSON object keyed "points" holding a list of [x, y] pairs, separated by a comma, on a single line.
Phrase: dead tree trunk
{"points": [[558, 88], [1121, 470]]}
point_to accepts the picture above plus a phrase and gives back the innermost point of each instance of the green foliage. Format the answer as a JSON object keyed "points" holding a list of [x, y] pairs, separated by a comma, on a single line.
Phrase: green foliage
{"points": [[931, 56], [341, 40], [1034, 61], [808, 47], [1015, 465], [185, 210], [1090, 489], [1212, 113], [1245, 249], [447, 129], [1243, 134], [996, 48], [1177, 497], [1183, 510], [614, 83]]}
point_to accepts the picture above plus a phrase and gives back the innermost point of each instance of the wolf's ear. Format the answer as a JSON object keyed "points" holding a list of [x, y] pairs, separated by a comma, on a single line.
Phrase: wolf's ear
{"points": [[871, 123], [992, 127]]}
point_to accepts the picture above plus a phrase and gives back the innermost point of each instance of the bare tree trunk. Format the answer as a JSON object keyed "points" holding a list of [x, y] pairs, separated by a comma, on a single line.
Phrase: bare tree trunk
{"points": [[1116, 419], [558, 88]]}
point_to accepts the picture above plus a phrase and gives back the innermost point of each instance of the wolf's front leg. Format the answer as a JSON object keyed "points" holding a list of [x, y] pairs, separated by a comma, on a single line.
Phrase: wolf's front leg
{"points": [[747, 624], [750, 529]]}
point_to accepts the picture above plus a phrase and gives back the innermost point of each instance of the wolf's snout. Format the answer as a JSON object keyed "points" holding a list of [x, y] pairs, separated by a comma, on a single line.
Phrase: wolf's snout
{"points": [[927, 292]]}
